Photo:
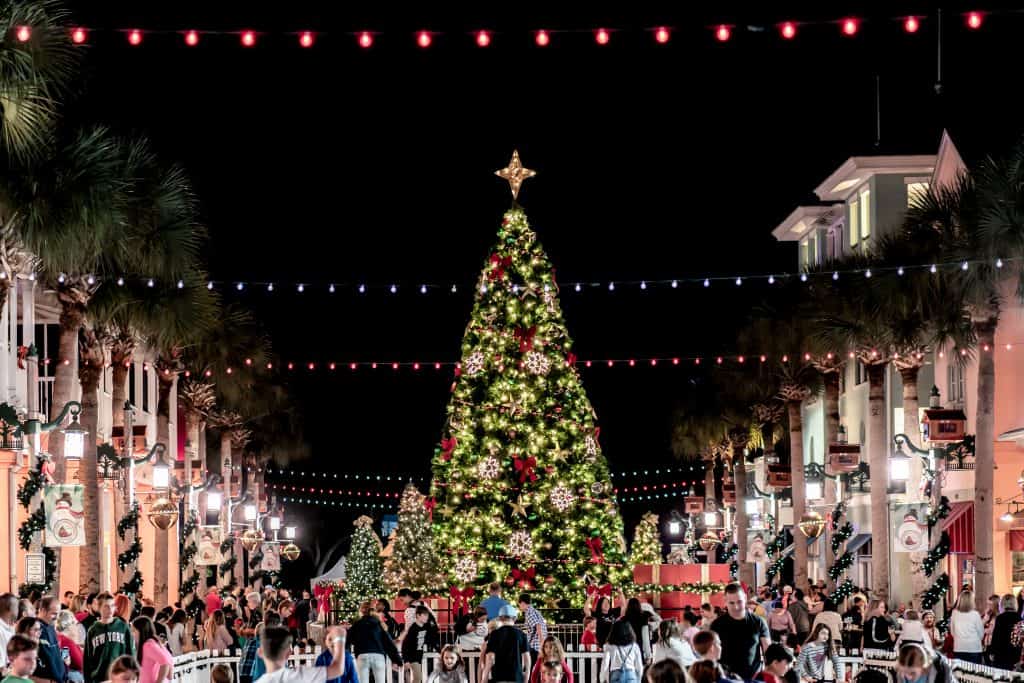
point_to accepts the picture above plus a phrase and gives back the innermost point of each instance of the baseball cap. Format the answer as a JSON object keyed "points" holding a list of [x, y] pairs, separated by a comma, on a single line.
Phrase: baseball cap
{"points": [[508, 611]]}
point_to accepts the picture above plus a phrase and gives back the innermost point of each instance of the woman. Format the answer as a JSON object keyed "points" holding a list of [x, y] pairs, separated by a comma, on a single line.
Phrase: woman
{"points": [[877, 629], [371, 645], [602, 608], [989, 619], [30, 627], [915, 665], [551, 650], [216, 636], [1004, 653], [913, 631], [672, 645], [123, 608], [26, 608], [393, 628], [637, 619], [155, 662], [665, 671], [818, 660], [931, 630], [176, 632], [780, 621], [829, 616], [450, 669], [967, 629], [622, 661], [67, 628]]}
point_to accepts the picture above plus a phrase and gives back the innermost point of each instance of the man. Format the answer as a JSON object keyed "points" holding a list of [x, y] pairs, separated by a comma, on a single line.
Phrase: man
{"points": [[68, 597], [158, 625], [50, 665], [302, 611], [779, 662], [707, 616], [108, 639], [372, 646], [508, 652], [93, 609], [276, 645], [419, 639], [212, 600], [326, 657], [855, 615], [251, 615], [8, 617], [494, 602], [744, 635], [708, 646], [21, 653], [536, 627], [250, 666], [801, 616]]}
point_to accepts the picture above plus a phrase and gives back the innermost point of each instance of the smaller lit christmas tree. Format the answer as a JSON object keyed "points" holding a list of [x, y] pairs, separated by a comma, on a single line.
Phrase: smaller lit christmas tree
{"points": [[414, 562], [364, 567], [646, 541]]}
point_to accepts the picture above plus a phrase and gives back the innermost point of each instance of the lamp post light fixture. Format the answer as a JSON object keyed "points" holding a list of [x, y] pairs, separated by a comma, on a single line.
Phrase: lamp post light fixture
{"points": [[74, 434], [710, 518], [899, 461], [213, 501], [289, 532], [275, 523], [161, 475], [249, 511], [751, 506], [675, 523]]}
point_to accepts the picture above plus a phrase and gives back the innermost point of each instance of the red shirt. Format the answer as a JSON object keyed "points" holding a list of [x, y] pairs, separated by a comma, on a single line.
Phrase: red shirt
{"points": [[535, 674], [213, 602], [75, 651], [589, 638]]}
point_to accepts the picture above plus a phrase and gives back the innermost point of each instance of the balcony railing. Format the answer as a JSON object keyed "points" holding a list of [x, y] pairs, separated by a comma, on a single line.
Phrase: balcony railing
{"points": [[45, 395]]}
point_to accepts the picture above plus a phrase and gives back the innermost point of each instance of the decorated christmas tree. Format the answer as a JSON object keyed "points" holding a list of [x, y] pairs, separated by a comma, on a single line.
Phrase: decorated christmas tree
{"points": [[646, 547], [363, 567], [523, 492], [413, 562]]}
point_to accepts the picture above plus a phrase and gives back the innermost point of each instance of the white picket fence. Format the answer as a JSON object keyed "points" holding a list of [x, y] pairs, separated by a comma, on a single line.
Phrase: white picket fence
{"points": [[195, 667]]}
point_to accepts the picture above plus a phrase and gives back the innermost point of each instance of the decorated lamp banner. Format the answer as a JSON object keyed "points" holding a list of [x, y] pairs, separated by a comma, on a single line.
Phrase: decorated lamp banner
{"points": [[910, 528], [271, 557], [65, 516], [209, 546]]}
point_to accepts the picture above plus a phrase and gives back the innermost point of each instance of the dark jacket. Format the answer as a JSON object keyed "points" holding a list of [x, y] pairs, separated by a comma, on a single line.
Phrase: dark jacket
{"points": [[367, 636], [50, 663]]}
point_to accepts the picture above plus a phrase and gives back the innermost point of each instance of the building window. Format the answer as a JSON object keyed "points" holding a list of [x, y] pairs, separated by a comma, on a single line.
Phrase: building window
{"points": [[915, 191], [865, 214], [835, 243], [955, 392], [145, 390], [860, 373], [854, 222], [131, 384]]}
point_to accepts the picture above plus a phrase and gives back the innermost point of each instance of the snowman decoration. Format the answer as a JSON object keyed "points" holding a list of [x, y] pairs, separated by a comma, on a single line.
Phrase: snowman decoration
{"points": [[65, 524], [911, 533]]}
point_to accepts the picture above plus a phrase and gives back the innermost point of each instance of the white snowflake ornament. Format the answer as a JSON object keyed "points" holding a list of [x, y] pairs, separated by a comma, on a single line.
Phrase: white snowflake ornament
{"points": [[562, 498], [520, 544], [465, 570], [536, 363], [474, 363], [591, 443], [488, 468]]}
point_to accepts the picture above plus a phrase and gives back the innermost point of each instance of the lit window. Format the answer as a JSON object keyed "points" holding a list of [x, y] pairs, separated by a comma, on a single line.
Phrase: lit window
{"points": [[854, 222], [805, 253], [956, 389], [915, 191], [865, 214]]}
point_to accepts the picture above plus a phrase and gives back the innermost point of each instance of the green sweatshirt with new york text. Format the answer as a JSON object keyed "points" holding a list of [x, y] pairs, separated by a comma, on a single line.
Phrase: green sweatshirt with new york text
{"points": [[103, 644]]}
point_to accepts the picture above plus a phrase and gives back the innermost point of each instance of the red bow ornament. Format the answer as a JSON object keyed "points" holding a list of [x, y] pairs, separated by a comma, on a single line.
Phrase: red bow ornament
{"points": [[460, 598], [447, 446], [525, 337], [525, 468], [570, 360], [596, 554], [22, 355], [498, 266], [430, 504], [604, 591], [524, 579]]}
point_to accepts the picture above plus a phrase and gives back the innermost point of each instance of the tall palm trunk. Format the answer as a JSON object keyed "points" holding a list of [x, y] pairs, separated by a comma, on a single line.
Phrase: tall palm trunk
{"points": [[120, 360], [90, 370], [984, 459], [878, 455], [831, 407], [165, 382], [739, 476], [911, 424], [796, 466]]}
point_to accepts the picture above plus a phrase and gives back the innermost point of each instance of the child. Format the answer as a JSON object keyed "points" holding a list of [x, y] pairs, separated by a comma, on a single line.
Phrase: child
{"points": [[22, 653], [222, 674], [551, 673], [124, 670], [589, 639], [622, 662], [450, 669], [551, 651], [707, 645], [419, 639]]}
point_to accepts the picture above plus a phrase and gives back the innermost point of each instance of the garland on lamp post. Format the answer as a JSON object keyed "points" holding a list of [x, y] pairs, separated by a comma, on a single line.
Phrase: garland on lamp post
{"points": [[34, 524], [130, 557], [774, 548], [842, 531], [937, 590], [227, 567], [187, 551]]}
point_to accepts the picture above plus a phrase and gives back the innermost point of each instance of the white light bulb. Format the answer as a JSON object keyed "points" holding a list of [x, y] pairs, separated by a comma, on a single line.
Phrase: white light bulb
{"points": [[454, 289], [771, 279], [578, 288], [270, 287], [999, 263], [150, 283], [739, 281], [611, 286], [331, 288], [301, 288], [423, 289], [675, 284], [803, 277], [933, 268], [90, 280], [240, 286], [362, 289], [209, 285], [707, 282], [394, 289], [483, 289], [899, 271], [963, 266], [181, 284], [61, 278], [867, 273], [643, 285], [515, 289]]}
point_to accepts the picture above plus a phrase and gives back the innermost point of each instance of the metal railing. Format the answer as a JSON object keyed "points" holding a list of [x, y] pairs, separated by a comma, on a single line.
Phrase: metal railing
{"points": [[44, 387]]}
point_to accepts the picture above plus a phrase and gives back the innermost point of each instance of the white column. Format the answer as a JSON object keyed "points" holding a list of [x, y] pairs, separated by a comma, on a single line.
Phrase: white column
{"points": [[11, 343], [28, 336], [105, 514], [7, 353]]}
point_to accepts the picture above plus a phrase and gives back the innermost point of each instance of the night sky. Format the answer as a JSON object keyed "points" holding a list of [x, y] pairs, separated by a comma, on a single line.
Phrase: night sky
{"points": [[338, 164]]}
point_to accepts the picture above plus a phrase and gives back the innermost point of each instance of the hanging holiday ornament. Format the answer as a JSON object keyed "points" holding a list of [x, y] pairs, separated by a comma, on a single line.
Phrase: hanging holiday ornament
{"points": [[251, 539], [488, 468], [515, 173], [473, 364], [290, 552], [562, 498], [520, 544], [811, 524], [537, 363], [591, 443], [708, 542], [597, 488], [465, 570]]}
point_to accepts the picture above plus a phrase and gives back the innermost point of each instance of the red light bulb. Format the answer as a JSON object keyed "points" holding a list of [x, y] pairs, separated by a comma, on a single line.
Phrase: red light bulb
{"points": [[850, 27], [483, 38], [306, 39], [191, 38], [542, 38], [365, 39], [23, 34], [974, 20], [661, 35], [911, 24], [723, 33], [788, 30], [78, 36], [423, 39], [602, 36], [135, 37], [248, 38]]}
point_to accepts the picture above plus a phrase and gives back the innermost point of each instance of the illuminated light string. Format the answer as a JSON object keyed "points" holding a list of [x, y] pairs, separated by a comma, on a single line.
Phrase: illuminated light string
{"points": [[405, 477], [339, 503], [642, 497], [846, 26], [397, 287], [397, 494]]}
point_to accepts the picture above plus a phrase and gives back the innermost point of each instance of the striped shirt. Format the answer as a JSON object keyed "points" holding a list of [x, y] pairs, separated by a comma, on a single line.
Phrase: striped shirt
{"points": [[533, 618]]}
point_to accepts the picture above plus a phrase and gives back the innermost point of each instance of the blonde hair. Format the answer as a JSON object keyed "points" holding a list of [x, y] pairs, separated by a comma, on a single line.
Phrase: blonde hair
{"points": [[67, 624], [965, 603], [555, 643]]}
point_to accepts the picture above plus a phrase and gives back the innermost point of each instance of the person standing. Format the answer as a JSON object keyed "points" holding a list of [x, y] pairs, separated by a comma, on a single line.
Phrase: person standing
{"points": [[276, 645], [372, 646], [155, 662], [1005, 654], [780, 621], [744, 635], [176, 632], [967, 629], [797, 609], [51, 664], [108, 639], [8, 618], [818, 660], [419, 639], [622, 661], [830, 617], [878, 629], [508, 651], [67, 639], [536, 627], [493, 602]]}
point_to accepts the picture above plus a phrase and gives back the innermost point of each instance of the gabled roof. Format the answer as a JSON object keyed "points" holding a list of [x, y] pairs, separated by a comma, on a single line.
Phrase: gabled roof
{"points": [[855, 170], [803, 218]]}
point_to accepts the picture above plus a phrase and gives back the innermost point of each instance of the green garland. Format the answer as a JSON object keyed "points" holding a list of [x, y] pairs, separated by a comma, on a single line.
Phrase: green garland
{"points": [[189, 585], [774, 548], [935, 592], [227, 566], [190, 525], [940, 512], [936, 555], [689, 588], [129, 521], [34, 524], [33, 485], [130, 555], [841, 532], [843, 591], [133, 586]]}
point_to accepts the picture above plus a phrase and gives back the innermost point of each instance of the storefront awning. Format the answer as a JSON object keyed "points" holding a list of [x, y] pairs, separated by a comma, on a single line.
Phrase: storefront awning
{"points": [[792, 546], [856, 543], [960, 527]]}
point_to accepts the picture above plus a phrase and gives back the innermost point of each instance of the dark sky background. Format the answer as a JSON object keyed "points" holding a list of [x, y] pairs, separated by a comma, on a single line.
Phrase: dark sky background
{"points": [[338, 164]]}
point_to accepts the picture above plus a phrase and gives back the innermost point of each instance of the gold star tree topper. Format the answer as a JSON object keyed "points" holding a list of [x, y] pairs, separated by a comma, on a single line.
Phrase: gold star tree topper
{"points": [[515, 173]]}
